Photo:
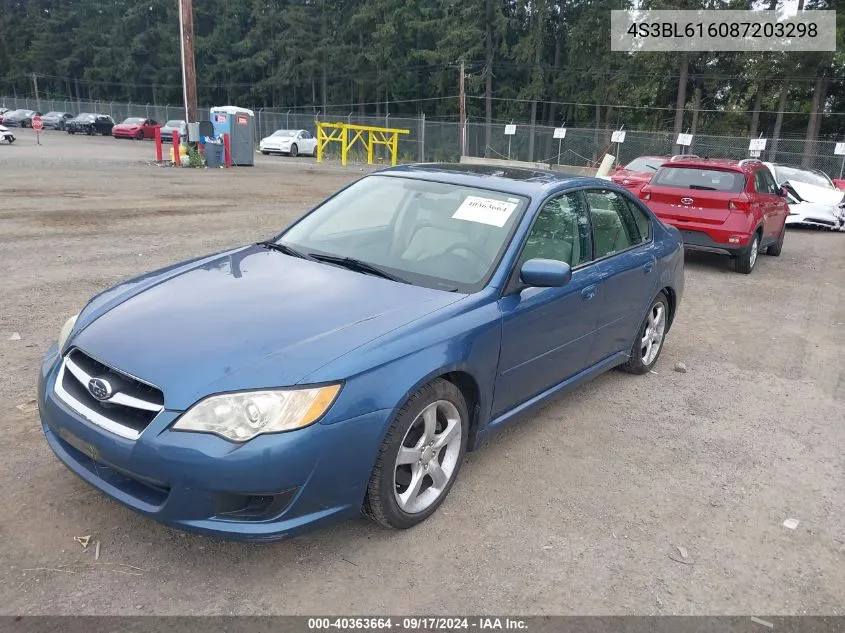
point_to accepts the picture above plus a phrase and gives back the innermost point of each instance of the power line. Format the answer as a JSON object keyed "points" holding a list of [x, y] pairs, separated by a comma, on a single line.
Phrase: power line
{"points": [[647, 107]]}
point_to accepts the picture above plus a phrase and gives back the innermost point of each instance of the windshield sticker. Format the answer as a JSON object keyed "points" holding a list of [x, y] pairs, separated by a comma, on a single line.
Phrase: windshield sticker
{"points": [[485, 211]]}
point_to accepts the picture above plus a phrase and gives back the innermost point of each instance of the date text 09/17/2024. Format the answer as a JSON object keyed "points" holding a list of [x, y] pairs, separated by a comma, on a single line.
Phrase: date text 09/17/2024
{"points": [[416, 623]]}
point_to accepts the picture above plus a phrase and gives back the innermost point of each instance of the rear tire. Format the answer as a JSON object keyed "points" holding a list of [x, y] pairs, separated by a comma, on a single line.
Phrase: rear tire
{"points": [[652, 332], [746, 259], [430, 432], [775, 249]]}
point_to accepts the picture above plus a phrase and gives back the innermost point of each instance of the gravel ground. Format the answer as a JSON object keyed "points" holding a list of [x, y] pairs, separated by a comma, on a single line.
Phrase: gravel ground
{"points": [[579, 509]]}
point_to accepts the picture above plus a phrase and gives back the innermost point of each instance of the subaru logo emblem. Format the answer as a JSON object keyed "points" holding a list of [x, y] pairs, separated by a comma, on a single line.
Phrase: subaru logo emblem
{"points": [[99, 388], [686, 200]]}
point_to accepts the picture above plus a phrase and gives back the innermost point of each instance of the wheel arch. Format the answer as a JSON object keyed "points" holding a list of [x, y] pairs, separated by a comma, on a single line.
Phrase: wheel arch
{"points": [[672, 296]]}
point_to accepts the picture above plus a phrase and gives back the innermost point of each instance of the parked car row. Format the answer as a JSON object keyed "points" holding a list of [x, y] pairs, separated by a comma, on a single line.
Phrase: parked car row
{"points": [[92, 123], [735, 207]]}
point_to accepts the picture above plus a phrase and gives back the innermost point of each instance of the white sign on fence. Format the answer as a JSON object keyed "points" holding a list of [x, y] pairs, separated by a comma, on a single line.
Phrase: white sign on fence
{"points": [[618, 136], [757, 144], [755, 153], [839, 150], [560, 132], [510, 130], [684, 139]]}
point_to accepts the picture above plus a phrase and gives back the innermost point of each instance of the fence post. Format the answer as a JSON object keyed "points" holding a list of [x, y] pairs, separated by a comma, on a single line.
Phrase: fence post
{"points": [[422, 137], [287, 120]]}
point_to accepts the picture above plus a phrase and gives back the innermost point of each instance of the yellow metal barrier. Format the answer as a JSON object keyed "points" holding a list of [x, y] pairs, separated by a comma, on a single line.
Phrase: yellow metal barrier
{"points": [[347, 135]]}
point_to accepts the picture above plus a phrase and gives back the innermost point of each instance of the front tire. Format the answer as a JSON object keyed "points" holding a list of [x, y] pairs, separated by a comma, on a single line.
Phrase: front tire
{"points": [[420, 457], [747, 258], [294, 151], [650, 337]]}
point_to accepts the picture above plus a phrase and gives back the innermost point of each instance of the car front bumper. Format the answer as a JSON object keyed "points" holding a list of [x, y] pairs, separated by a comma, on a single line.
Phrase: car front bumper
{"points": [[269, 488], [276, 149]]}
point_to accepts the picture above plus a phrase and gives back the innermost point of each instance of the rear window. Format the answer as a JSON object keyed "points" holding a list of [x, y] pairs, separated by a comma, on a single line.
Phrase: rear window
{"points": [[644, 163], [700, 179]]}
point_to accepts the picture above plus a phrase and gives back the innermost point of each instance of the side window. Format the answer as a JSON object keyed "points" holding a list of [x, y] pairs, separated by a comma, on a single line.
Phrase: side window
{"points": [[614, 226], [306, 135], [641, 219], [561, 231], [770, 181], [760, 185]]}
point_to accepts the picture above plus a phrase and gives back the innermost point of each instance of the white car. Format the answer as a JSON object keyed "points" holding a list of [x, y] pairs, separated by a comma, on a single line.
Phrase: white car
{"points": [[812, 197], [292, 142]]}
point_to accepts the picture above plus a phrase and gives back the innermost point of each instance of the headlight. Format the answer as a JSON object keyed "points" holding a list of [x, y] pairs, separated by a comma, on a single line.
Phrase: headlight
{"points": [[242, 416], [65, 331]]}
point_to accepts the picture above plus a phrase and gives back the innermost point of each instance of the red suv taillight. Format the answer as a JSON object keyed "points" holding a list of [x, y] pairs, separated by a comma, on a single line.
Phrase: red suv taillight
{"points": [[740, 204]]}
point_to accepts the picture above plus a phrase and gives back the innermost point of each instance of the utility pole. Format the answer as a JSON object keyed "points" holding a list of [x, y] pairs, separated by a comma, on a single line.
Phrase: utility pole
{"points": [[189, 71], [463, 112], [37, 99]]}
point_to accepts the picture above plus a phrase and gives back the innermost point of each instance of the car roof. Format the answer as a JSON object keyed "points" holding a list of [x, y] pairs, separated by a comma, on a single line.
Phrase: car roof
{"points": [[517, 180], [728, 164]]}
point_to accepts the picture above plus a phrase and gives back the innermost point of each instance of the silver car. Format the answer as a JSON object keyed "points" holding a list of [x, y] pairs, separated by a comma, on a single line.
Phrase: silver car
{"points": [[174, 125]]}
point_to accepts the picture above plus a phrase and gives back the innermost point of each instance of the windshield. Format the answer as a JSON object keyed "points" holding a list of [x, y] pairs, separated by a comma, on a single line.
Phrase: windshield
{"points": [[802, 175], [285, 133], [53, 114], [702, 179], [173, 124], [431, 234], [133, 121], [645, 163], [84, 117]]}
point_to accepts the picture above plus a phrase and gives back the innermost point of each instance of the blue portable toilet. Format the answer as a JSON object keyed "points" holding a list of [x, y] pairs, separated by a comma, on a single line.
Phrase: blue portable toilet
{"points": [[239, 124]]}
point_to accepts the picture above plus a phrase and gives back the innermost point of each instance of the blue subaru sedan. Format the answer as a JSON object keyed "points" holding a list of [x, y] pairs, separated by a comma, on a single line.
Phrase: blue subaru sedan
{"points": [[347, 364]]}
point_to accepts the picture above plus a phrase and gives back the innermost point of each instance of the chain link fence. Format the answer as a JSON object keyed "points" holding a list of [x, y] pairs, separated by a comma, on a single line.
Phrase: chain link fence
{"points": [[431, 140]]}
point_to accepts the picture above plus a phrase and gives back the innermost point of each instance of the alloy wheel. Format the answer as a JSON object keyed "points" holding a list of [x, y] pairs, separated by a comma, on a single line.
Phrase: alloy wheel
{"points": [[655, 328], [428, 457]]}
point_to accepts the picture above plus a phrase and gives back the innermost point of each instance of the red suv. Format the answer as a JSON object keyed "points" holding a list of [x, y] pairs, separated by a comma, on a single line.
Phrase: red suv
{"points": [[725, 206]]}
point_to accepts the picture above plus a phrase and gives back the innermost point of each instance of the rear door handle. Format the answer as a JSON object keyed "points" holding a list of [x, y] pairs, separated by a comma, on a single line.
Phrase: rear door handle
{"points": [[648, 266], [589, 292]]}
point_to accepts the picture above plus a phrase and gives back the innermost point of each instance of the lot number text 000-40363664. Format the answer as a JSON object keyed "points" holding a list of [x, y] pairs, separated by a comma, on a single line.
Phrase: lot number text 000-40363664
{"points": [[722, 30]]}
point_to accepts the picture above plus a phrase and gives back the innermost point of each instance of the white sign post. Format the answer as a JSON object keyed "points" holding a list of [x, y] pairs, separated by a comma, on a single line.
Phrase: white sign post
{"points": [[684, 140], [559, 134], [617, 137], [839, 150], [510, 130], [756, 147]]}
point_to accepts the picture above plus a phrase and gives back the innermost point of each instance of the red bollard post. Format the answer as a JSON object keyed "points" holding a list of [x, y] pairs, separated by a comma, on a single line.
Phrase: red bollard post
{"points": [[227, 150], [177, 158], [158, 144]]}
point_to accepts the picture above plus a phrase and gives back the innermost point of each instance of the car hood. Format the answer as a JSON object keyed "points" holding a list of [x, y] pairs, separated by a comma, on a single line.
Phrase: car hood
{"points": [[126, 126], [246, 319], [814, 193], [277, 139]]}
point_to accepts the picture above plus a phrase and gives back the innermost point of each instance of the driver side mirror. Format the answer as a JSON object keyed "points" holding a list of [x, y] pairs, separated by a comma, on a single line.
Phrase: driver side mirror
{"points": [[545, 273], [783, 192]]}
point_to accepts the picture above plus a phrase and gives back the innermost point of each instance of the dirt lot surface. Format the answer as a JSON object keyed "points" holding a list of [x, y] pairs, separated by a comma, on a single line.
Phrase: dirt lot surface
{"points": [[578, 509]]}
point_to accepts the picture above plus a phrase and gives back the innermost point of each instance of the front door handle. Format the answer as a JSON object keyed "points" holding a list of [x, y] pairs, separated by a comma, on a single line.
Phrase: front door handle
{"points": [[648, 266], [589, 292]]}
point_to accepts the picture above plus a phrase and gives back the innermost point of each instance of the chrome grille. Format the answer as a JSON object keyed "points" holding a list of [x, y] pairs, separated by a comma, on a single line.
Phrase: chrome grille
{"points": [[124, 405]]}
